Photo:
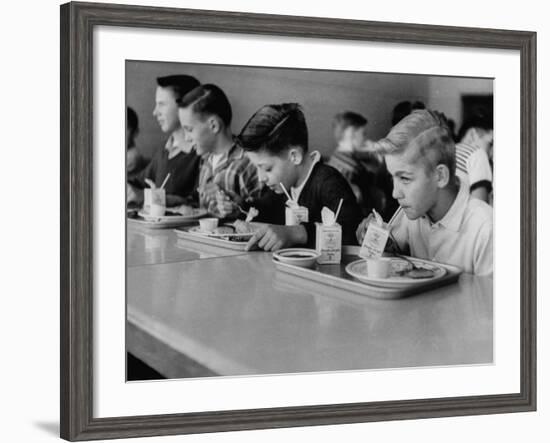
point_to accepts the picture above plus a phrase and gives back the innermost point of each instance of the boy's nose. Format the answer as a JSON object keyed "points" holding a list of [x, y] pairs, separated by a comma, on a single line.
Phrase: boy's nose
{"points": [[396, 193]]}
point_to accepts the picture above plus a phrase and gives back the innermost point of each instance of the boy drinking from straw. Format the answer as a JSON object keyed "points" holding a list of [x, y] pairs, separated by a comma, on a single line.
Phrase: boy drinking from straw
{"points": [[276, 140], [438, 219]]}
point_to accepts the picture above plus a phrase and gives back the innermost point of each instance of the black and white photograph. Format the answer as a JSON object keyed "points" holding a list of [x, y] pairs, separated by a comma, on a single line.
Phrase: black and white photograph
{"points": [[284, 220]]}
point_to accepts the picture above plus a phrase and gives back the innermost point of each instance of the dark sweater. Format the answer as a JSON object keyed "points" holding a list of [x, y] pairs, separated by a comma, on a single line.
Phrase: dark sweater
{"points": [[325, 187], [183, 169]]}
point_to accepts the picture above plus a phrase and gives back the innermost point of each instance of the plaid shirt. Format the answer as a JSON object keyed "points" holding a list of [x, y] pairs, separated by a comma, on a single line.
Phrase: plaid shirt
{"points": [[234, 174]]}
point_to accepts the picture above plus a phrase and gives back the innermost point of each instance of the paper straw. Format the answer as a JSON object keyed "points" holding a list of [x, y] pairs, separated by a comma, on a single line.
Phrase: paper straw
{"points": [[395, 214], [165, 180], [338, 210], [285, 191]]}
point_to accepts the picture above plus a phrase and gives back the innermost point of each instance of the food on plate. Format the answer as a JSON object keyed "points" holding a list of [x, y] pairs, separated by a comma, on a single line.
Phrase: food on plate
{"points": [[405, 268], [224, 230]]}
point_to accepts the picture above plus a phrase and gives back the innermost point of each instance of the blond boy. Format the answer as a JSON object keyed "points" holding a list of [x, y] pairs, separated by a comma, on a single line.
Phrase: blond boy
{"points": [[437, 218]]}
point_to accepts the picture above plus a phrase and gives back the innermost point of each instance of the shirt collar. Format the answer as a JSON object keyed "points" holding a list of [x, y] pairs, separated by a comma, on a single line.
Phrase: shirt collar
{"points": [[452, 220], [174, 148], [235, 153], [295, 192]]}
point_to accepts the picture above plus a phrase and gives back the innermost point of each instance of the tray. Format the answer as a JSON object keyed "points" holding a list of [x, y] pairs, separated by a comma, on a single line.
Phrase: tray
{"points": [[336, 276], [193, 234], [165, 221]]}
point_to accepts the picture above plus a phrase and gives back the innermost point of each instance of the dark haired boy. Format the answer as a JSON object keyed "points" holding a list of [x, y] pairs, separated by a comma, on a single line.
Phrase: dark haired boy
{"points": [[276, 140], [227, 178], [177, 157]]}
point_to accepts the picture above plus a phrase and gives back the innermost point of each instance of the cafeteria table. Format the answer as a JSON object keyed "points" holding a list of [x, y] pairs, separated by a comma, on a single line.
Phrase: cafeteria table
{"points": [[195, 310]]}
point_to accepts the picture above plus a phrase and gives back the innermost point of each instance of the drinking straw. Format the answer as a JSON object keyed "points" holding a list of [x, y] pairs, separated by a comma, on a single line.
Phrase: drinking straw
{"points": [[285, 191], [165, 180], [394, 215], [150, 182], [338, 210]]}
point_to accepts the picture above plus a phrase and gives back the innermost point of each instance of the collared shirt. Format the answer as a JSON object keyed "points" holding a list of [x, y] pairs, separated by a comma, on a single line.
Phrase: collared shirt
{"points": [[174, 148], [296, 191], [463, 237], [472, 164], [233, 173]]}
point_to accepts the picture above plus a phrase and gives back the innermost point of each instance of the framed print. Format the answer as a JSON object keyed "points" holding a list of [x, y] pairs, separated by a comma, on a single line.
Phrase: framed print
{"points": [[186, 305]]}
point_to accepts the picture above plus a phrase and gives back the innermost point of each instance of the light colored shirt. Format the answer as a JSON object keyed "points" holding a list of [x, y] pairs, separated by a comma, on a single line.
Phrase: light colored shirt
{"points": [[463, 237], [174, 147], [472, 164]]}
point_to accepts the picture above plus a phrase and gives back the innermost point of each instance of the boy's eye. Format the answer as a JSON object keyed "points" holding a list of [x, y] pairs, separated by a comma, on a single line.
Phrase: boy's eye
{"points": [[405, 179]]}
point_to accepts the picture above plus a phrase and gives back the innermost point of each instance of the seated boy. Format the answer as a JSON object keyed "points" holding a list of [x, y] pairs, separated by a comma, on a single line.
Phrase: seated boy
{"points": [[437, 219], [177, 157], [472, 155], [227, 178], [276, 140]]}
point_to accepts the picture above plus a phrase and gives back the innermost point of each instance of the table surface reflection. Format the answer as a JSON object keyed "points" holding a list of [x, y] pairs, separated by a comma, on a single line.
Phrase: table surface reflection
{"points": [[231, 313]]}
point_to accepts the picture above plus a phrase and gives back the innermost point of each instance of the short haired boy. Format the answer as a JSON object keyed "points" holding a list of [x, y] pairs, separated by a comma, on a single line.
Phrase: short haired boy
{"points": [[437, 219], [227, 177], [177, 157], [276, 140]]}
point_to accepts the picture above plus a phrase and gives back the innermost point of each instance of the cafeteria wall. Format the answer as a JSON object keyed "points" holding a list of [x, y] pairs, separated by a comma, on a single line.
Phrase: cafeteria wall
{"points": [[372, 94]]}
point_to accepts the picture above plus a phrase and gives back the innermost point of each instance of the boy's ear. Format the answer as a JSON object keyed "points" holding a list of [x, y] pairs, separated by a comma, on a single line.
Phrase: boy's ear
{"points": [[443, 175], [214, 124], [296, 155]]}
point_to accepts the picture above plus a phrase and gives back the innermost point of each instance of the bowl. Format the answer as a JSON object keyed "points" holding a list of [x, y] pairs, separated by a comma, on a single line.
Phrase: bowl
{"points": [[305, 258]]}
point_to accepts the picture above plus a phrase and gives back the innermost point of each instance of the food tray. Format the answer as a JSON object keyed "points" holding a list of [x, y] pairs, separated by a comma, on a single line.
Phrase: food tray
{"points": [[187, 233], [166, 221], [335, 275]]}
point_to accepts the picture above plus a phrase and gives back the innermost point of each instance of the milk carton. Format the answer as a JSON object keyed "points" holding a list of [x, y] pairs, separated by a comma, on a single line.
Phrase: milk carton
{"points": [[295, 214], [328, 238], [375, 238]]}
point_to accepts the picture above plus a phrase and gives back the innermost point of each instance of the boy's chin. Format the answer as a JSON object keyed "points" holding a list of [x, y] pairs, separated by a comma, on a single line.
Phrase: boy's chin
{"points": [[411, 214]]}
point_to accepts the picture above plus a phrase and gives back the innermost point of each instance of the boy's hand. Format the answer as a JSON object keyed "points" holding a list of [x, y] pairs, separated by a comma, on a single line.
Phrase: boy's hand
{"points": [[225, 204], [362, 228], [275, 237]]}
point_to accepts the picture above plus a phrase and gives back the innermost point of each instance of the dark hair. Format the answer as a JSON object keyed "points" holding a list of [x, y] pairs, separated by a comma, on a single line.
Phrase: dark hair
{"points": [[275, 128], [208, 100], [480, 118], [404, 108], [349, 118], [132, 120], [179, 84]]}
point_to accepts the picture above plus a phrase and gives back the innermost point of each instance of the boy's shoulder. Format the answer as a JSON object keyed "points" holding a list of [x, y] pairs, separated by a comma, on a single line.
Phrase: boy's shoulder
{"points": [[479, 211], [323, 172]]}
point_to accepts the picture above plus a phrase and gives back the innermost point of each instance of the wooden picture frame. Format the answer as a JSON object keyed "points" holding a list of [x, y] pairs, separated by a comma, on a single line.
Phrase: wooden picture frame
{"points": [[77, 23]]}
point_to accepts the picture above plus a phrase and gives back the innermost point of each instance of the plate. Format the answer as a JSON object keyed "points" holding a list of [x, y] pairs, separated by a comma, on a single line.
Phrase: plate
{"points": [[174, 217], [358, 270], [230, 236], [305, 258]]}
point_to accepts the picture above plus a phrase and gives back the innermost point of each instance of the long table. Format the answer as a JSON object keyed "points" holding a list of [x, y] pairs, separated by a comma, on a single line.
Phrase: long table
{"points": [[195, 311]]}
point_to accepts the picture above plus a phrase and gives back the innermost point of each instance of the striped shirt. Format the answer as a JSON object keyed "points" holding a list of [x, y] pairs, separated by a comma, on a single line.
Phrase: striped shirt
{"points": [[233, 173], [472, 165]]}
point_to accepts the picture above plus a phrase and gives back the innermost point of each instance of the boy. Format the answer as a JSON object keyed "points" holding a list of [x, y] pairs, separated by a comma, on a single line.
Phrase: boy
{"points": [[177, 157], [276, 141], [227, 177], [473, 155], [437, 219]]}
